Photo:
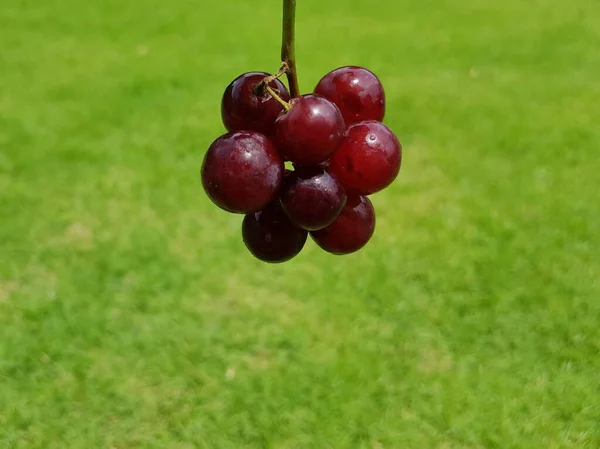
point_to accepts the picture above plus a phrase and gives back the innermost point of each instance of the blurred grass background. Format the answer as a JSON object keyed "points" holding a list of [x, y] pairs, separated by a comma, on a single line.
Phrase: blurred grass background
{"points": [[131, 315]]}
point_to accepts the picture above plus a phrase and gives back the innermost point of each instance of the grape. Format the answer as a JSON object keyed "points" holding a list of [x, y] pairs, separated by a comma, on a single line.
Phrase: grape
{"points": [[312, 198], [368, 160], [356, 91], [242, 172], [310, 131], [270, 235], [351, 230], [244, 108]]}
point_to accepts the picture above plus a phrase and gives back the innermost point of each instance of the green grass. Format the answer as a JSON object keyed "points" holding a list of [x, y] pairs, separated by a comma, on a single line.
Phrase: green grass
{"points": [[131, 315]]}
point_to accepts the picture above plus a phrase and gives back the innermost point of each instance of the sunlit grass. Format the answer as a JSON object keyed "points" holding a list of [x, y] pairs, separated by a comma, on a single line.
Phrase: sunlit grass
{"points": [[131, 314]]}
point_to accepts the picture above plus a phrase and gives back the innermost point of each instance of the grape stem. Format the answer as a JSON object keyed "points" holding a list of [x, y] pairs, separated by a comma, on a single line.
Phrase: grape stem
{"points": [[279, 100], [288, 52], [261, 87]]}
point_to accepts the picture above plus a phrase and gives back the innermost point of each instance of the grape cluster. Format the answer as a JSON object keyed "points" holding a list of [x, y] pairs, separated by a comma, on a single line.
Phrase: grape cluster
{"points": [[334, 139]]}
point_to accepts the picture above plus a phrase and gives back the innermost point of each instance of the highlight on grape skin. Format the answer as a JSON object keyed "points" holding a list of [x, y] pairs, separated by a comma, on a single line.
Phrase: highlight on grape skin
{"points": [[369, 158], [356, 91], [242, 172], [351, 231], [247, 106], [270, 235], [340, 150], [312, 198], [310, 131]]}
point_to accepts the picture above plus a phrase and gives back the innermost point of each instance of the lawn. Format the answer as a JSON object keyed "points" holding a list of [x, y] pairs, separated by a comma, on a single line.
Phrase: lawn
{"points": [[132, 316]]}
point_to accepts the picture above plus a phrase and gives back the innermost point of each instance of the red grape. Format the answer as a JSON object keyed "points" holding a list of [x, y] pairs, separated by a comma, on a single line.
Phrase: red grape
{"points": [[368, 160], [244, 108], [270, 235], [351, 230], [356, 91], [310, 131], [312, 198], [242, 172]]}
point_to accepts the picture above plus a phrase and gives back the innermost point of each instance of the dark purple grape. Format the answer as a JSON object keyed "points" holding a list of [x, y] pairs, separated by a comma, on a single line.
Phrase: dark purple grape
{"points": [[312, 198], [352, 229], [244, 107], [356, 91], [242, 172], [310, 131], [368, 160], [270, 235]]}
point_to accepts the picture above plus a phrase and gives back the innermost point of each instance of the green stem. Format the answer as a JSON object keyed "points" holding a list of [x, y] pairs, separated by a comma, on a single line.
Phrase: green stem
{"points": [[279, 100], [260, 88], [288, 52]]}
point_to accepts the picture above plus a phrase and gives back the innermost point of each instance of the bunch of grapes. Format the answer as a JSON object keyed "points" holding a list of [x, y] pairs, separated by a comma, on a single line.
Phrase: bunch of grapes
{"points": [[339, 149]]}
